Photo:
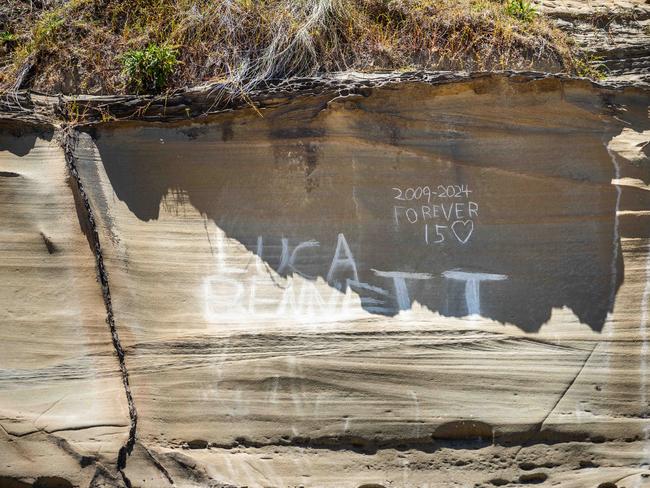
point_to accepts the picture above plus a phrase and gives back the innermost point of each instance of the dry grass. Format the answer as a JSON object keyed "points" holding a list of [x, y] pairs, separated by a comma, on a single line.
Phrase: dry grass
{"points": [[77, 46]]}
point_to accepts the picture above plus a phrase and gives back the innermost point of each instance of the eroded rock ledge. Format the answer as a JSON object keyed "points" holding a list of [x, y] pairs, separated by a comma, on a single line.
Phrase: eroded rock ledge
{"points": [[205, 100], [426, 279], [615, 35]]}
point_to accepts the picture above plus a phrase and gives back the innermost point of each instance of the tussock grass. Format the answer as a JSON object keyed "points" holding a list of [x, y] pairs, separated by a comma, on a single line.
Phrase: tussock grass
{"points": [[80, 46]]}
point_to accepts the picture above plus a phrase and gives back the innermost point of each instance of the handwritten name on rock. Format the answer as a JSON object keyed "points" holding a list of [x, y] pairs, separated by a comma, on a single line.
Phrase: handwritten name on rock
{"points": [[237, 289]]}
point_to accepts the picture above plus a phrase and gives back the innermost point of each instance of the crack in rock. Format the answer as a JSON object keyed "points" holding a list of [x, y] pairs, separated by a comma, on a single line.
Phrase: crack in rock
{"points": [[69, 143]]}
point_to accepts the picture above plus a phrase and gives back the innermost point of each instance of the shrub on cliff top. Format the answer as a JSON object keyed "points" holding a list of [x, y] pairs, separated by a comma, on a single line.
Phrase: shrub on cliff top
{"points": [[521, 9], [248, 41], [149, 69]]}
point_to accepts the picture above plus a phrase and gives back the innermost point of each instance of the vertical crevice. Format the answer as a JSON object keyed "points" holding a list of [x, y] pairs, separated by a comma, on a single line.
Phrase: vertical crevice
{"points": [[69, 141]]}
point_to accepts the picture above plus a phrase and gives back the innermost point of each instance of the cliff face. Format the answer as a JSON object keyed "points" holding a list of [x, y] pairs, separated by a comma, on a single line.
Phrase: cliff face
{"points": [[425, 282], [613, 34], [62, 402]]}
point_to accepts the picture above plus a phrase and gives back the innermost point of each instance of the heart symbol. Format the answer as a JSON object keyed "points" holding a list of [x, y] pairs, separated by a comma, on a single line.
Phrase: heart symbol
{"points": [[463, 228]]}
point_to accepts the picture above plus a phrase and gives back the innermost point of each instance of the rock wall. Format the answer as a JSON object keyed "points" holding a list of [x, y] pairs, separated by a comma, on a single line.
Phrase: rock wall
{"points": [[63, 413], [614, 35], [440, 281]]}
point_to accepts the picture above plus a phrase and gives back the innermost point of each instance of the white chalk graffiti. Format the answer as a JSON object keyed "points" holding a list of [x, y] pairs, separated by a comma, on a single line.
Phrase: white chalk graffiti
{"points": [[472, 287], [445, 218], [399, 282], [340, 262], [258, 291]]}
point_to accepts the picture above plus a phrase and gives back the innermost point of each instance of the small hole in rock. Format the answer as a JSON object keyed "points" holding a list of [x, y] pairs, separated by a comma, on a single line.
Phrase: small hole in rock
{"points": [[499, 482], [49, 245], [86, 461], [197, 444], [533, 478]]}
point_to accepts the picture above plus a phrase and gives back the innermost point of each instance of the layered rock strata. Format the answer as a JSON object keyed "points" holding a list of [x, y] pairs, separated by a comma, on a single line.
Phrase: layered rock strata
{"points": [[425, 280]]}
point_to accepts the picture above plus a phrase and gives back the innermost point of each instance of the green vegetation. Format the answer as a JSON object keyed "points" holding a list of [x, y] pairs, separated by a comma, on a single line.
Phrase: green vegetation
{"points": [[46, 29], [590, 67], [7, 37], [117, 46], [149, 69], [523, 10]]}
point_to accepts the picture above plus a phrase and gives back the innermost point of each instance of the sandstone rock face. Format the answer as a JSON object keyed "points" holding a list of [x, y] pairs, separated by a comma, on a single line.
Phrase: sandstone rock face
{"points": [[63, 414], [403, 284]]}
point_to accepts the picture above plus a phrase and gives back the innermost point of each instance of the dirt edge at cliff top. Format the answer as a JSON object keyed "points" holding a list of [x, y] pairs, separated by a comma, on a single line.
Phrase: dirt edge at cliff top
{"points": [[146, 46], [201, 101]]}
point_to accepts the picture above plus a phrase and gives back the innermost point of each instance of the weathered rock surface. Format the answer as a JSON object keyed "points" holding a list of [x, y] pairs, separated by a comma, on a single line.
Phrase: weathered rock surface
{"points": [[63, 414], [441, 282], [614, 34]]}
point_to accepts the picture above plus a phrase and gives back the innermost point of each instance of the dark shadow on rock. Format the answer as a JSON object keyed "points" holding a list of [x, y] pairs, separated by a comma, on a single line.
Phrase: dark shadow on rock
{"points": [[19, 137], [544, 231], [464, 430], [8, 482], [51, 482]]}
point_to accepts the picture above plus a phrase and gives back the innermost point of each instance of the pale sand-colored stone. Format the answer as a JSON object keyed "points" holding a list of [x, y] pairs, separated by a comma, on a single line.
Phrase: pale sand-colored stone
{"points": [[225, 346], [568, 465], [62, 405]]}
